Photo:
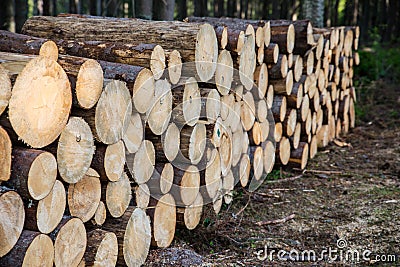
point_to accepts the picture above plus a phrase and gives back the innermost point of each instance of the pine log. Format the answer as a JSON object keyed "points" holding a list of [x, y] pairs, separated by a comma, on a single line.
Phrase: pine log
{"points": [[69, 242], [34, 173], [308, 64], [188, 38], [193, 142], [289, 124], [257, 161], [186, 185], [75, 149], [261, 80], [12, 219], [279, 108], [244, 170], [225, 151], [247, 111], [174, 64], [284, 36], [279, 69], [159, 113], [228, 184], [285, 85], [237, 139], [247, 63], [224, 72], [109, 161], [191, 215], [283, 151], [118, 196], [313, 147], [295, 138], [133, 233], [5, 89], [271, 54], [262, 110], [100, 215], [32, 249], [298, 68], [102, 248], [268, 156], [141, 164], [295, 98], [299, 157], [162, 179], [6, 158], [46, 214], [32, 124], [211, 105], [212, 176], [133, 135], [162, 212], [84, 196], [305, 108]]}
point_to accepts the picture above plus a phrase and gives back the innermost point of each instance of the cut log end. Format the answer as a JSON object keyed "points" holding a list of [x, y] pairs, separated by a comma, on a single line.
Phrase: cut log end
{"points": [[174, 66], [160, 108], [41, 101], [144, 161], [5, 159], [191, 102], [224, 72], [133, 136], [193, 212], [157, 62], [143, 89], [118, 196], [89, 84], [102, 248], [206, 52], [114, 161], [164, 221], [42, 175], [5, 89], [171, 141], [101, 214], [49, 50]]}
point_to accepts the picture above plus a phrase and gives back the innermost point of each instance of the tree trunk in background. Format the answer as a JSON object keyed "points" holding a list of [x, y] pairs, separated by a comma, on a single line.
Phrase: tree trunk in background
{"points": [[231, 8], [163, 9], [181, 6], [92, 7], [218, 8], [355, 13], [365, 19], [275, 9], [144, 8], [21, 14], [244, 7], [72, 7], [46, 8], [336, 13], [112, 8], [200, 8], [285, 9], [7, 15]]}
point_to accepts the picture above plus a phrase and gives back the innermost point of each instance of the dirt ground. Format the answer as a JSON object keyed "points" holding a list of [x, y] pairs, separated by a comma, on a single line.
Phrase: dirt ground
{"points": [[348, 199]]}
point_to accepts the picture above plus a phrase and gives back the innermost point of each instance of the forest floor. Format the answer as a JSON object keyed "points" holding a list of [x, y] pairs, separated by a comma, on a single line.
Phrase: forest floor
{"points": [[347, 199]]}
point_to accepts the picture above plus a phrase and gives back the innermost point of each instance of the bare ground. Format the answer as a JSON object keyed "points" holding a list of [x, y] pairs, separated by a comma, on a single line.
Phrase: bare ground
{"points": [[348, 193]]}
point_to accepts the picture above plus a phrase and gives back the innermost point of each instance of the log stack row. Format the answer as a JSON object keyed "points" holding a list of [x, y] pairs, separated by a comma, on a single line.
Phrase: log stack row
{"points": [[112, 137]]}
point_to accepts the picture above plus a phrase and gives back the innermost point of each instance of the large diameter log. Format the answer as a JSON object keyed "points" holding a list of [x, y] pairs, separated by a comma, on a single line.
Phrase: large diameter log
{"points": [[190, 39], [163, 219], [40, 103], [34, 173], [69, 242], [84, 196], [75, 150], [118, 196], [109, 161], [5, 159], [102, 248], [11, 219], [32, 249], [5, 89], [48, 212], [133, 233]]}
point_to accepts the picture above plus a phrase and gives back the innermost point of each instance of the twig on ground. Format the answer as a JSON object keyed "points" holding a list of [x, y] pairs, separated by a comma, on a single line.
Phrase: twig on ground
{"points": [[242, 209], [324, 172], [278, 221], [286, 179]]}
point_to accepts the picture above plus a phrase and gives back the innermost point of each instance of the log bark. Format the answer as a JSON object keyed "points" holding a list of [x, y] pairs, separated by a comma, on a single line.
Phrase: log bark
{"points": [[192, 40], [279, 108], [32, 248], [5, 89], [12, 219], [299, 156]]}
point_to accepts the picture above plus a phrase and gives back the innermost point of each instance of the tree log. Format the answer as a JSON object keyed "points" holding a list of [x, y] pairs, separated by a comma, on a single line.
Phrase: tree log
{"points": [[109, 161], [102, 248], [5, 159], [191, 215], [118, 196], [5, 89]]}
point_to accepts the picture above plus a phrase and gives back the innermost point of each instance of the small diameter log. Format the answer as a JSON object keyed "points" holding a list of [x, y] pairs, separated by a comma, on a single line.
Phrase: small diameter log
{"points": [[228, 184], [162, 212], [305, 108], [303, 32], [102, 248], [75, 150], [289, 124], [212, 175], [313, 147], [143, 89], [143, 162], [295, 98], [247, 111], [47, 213], [271, 54], [279, 107], [255, 137], [278, 131], [270, 96], [211, 106], [142, 196], [174, 63], [295, 138], [279, 70], [299, 156], [34, 173], [109, 161], [5, 89], [308, 63], [261, 108], [268, 156], [191, 102], [224, 72], [162, 179], [101, 214], [247, 63], [32, 249], [283, 151], [237, 139], [323, 136], [261, 80], [284, 36], [84, 196], [40, 103], [118, 196], [159, 113], [171, 141], [225, 151], [5, 159], [133, 135], [186, 185], [244, 170], [69, 242], [193, 142], [283, 86], [191, 215], [11, 220], [257, 161]]}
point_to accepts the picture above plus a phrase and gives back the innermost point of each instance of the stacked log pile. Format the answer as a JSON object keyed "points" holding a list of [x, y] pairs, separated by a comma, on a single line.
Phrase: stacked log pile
{"points": [[112, 137]]}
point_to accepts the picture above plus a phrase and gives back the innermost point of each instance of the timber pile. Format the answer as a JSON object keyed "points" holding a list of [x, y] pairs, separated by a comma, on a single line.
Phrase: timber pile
{"points": [[109, 142]]}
